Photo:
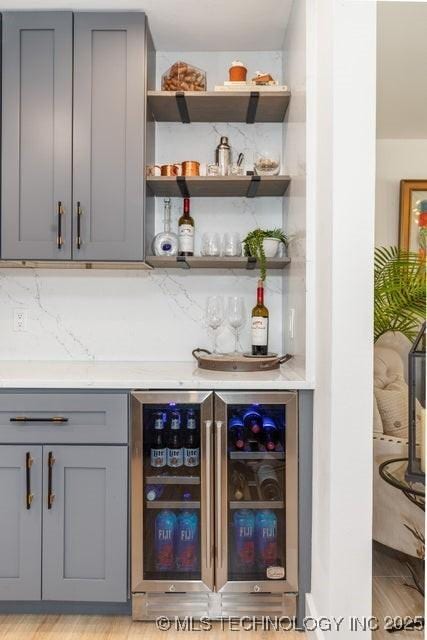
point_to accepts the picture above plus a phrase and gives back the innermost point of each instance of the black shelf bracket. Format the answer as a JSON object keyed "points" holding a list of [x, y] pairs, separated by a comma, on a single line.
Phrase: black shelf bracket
{"points": [[253, 186], [182, 107], [183, 186], [182, 260], [251, 263], [252, 107]]}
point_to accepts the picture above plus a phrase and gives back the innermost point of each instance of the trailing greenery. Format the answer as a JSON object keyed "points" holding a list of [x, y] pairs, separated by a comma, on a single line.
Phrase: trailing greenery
{"points": [[253, 246], [399, 291]]}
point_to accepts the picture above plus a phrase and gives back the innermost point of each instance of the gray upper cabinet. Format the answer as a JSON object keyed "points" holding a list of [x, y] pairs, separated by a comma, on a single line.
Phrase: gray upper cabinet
{"points": [[36, 135], [20, 517], [85, 525], [108, 136]]}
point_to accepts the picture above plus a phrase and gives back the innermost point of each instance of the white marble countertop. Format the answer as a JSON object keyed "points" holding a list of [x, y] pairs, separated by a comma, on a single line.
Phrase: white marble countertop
{"points": [[21, 374]]}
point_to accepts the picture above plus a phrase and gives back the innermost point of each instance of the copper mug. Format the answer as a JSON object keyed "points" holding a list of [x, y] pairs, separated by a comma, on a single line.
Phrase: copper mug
{"points": [[170, 169], [190, 168]]}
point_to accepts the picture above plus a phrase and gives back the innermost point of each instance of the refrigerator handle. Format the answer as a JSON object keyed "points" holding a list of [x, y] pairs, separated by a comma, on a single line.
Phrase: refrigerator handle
{"points": [[208, 484], [218, 482]]}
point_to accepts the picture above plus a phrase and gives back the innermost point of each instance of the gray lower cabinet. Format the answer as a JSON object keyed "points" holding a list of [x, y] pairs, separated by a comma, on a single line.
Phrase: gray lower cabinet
{"points": [[85, 523], [63, 522], [37, 49], [20, 522], [108, 135]]}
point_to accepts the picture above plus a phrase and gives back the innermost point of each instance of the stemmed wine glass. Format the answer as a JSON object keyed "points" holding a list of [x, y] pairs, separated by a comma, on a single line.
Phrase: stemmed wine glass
{"points": [[236, 317], [215, 316]]}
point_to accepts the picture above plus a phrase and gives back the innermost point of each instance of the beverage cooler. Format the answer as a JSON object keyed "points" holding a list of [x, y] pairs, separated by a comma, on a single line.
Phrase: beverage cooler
{"points": [[214, 503]]}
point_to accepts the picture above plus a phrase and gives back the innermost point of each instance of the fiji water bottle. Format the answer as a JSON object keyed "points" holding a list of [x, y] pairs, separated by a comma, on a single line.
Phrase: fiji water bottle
{"points": [[187, 540], [266, 538], [244, 524], [165, 529]]}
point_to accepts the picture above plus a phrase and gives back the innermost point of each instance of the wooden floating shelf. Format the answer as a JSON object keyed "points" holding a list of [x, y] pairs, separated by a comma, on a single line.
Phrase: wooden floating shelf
{"points": [[218, 106], [208, 262], [219, 186]]}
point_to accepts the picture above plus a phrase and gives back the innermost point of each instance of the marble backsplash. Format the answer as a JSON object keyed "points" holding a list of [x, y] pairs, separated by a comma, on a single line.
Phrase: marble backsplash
{"points": [[157, 315], [121, 315]]}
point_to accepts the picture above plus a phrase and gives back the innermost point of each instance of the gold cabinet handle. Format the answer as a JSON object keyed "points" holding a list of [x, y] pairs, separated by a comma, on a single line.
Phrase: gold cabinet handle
{"points": [[28, 464], [79, 226], [60, 213], [50, 493]]}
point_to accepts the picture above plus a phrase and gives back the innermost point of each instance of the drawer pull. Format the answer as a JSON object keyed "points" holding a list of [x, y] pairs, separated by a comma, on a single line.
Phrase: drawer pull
{"points": [[28, 464], [59, 239], [55, 419], [50, 493], [79, 226]]}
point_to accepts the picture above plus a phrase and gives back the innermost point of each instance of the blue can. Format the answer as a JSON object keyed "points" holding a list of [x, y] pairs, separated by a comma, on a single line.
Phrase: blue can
{"points": [[165, 529], [187, 541], [266, 538], [244, 543]]}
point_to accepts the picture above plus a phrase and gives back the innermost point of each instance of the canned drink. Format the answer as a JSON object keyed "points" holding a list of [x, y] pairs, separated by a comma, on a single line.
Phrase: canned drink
{"points": [[244, 524], [165, 529]]}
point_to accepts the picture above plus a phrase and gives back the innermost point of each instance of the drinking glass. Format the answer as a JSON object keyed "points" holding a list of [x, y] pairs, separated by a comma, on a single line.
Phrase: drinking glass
{"points": [[236, 317], [232, 245], [215, 316], [211, 244]]}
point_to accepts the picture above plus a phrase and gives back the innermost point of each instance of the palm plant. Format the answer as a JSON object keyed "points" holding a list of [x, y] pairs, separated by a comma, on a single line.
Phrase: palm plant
{"points": [[399, 291]]}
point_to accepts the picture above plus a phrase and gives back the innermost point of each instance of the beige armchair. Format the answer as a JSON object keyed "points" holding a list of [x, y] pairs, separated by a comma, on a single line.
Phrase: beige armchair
{"points": [[391, 507]]}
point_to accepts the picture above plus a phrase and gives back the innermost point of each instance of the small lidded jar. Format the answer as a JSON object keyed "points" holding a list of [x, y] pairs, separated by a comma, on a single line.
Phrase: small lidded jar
{"points": [[237, 71]]}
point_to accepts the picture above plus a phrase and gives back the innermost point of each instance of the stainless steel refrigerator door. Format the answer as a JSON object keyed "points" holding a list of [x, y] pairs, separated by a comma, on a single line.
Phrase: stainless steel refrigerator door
{"points": [[222, 577], [139, 582]]}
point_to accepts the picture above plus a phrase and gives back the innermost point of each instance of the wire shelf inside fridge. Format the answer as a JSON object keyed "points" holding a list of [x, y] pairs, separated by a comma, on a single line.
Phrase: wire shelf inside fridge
{"points": [[256, 504], [174, 480], [257, 455], [173, 504]]}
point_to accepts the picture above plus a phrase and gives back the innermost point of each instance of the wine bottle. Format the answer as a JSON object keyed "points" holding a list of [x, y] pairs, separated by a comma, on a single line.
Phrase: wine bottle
{"points": [[268, 483], [186, 231], [271, 435], [239, 483], [237, 435], [260, 324], [253, 421]]}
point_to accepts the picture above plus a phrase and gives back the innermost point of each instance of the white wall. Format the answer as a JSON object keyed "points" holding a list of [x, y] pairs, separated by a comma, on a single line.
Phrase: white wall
{"points": [[397, 159], [296, 281], [341, 56], [159, 315]]}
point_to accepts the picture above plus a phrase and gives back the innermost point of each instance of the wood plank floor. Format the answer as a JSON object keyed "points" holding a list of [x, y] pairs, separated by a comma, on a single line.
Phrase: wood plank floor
{"points": [[70, 627], [391, 597]]}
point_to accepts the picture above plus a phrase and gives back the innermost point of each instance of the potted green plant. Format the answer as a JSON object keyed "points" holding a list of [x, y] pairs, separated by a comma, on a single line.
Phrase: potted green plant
{"points": [[399, 291], [263, 244]]}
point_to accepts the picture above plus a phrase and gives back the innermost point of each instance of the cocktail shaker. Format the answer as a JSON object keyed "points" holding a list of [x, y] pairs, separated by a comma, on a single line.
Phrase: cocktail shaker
{"points": [[223, 156]]}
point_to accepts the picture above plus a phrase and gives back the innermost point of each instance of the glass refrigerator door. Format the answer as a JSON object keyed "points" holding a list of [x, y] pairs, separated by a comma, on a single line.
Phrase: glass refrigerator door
{"points": [[173, 542], [256, 492]]}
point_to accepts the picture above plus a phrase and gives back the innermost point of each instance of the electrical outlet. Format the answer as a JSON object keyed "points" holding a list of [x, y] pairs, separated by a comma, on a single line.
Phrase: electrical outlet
{"points": [[291, 325], [19, 319]]}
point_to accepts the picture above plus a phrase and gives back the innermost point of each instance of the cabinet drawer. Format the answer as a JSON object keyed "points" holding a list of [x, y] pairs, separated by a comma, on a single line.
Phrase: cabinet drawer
{"points": [[77, 418]]}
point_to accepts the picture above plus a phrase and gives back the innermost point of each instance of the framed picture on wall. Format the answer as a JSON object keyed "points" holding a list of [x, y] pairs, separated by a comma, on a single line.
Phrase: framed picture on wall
{"points": [[413, 215]]}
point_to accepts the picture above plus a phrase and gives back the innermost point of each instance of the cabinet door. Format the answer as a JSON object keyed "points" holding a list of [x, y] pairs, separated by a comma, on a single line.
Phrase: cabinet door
{"points": [[20, 522], [85, 523], [108, 136], [36, 132]]}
